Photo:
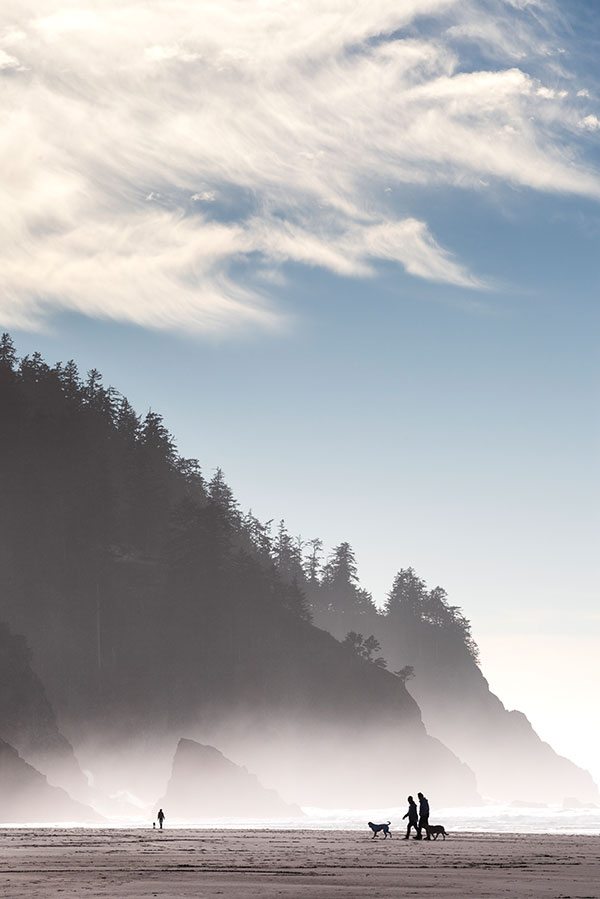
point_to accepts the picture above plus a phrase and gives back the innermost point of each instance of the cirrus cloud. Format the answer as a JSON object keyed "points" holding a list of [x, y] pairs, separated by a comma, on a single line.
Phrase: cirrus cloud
{"points": [[152, 151]]}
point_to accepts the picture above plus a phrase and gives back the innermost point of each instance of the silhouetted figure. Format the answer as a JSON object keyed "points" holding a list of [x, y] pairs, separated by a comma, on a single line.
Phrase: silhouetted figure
{"points": [[423, 817], [161, 818], [154, 825], [383, 828], [413, 817]]}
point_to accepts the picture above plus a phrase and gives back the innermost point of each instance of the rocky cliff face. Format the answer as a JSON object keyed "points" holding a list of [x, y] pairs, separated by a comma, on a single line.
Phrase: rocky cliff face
{"points": [[27, 797], [27, 720], [509, 759], [205, 784], [428, 642]]}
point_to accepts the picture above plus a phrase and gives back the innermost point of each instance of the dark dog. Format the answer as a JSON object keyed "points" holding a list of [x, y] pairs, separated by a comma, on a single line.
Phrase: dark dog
{"points": [[437, 830], [380, 827]]}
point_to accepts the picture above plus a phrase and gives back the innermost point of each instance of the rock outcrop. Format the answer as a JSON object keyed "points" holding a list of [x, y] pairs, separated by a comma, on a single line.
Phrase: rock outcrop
{"points": [[27, 719], [27, 797], [205, 784]]}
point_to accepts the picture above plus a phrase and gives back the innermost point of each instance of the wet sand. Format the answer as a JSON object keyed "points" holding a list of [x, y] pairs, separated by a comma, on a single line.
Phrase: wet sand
{"points": [[315, 864]]}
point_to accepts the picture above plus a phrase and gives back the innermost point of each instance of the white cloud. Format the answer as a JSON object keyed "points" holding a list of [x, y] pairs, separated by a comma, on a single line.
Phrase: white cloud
{"points": [[297, 117], [204, 196], [590, 123], [7, 61], [548, 93]]}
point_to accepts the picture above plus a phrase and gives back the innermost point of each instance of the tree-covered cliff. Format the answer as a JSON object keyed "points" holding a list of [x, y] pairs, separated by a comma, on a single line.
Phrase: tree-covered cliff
{"points": [[155, 609], [427, 641]]}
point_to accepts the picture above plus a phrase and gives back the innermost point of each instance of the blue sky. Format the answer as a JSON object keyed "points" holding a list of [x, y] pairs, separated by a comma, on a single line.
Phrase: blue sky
{"points": [[427, 391]]}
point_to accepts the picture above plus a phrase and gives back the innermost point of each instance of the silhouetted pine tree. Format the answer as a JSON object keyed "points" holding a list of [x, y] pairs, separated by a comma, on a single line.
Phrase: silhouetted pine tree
{"points": [[312, 562], [337, 600], [8, 359], [341, 567], [8, 381], [287, 556], [221, 496], [406, 596], [258, 535], [424, 620], [68, 376]]}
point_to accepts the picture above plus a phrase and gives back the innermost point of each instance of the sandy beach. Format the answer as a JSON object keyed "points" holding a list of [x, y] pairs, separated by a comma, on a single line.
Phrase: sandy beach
{"points": [[270, 863]]}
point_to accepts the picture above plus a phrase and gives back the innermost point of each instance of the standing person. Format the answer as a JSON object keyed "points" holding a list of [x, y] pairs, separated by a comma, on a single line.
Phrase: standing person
{"points": [[161, 818], [423, 817], [413, 817]]}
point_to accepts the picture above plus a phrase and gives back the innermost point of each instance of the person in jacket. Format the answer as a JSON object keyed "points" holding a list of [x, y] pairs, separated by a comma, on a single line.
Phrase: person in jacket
{"points": [[413, 817], [161, 818], [423, 818]]}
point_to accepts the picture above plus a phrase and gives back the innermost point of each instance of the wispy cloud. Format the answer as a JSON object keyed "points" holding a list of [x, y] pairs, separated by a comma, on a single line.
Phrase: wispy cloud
{"points": [[149, 149]]}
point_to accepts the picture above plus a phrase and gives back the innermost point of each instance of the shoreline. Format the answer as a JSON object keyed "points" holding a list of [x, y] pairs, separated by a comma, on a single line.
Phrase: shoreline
{"points": [[517, 825], [220, 827], [132, 863]]}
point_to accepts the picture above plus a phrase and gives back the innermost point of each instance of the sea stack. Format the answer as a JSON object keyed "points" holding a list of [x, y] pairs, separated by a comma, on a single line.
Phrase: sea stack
{"points": [[206, 784]]}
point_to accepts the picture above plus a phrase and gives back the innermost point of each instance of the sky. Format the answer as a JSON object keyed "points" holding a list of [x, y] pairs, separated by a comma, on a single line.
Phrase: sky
{"points": [[350, 252]]}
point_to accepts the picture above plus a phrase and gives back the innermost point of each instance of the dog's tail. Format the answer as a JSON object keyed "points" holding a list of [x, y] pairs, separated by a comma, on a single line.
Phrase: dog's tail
{"points": [[389, 822]]}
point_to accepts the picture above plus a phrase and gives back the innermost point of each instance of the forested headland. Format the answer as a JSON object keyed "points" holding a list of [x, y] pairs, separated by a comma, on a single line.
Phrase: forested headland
{"points": [[155, 608]]}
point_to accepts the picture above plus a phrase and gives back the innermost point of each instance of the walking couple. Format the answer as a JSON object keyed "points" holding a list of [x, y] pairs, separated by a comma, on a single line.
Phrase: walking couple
{"points": [[418, 819]]}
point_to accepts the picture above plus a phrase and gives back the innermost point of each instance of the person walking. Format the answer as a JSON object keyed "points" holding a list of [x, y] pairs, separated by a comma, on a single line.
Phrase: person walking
{"points": [[413, 817], [161, 818], [423, 817]]}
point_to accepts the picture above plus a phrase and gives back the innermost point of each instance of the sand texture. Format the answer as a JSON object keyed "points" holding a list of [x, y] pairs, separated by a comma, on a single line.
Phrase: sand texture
{"points": [[274, 863]]}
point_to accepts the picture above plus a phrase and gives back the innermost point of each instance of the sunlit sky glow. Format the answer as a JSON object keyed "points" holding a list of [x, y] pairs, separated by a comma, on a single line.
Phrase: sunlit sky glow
{"points": [[350, 252]]}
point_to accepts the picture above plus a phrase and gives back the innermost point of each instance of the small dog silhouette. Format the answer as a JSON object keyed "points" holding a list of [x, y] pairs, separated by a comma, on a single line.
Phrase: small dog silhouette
{"points": [[437, 830], [376, 828]]}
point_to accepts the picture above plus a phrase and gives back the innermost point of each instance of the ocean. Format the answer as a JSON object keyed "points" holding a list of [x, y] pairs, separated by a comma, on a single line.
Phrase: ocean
{"points": [[475, 819]]}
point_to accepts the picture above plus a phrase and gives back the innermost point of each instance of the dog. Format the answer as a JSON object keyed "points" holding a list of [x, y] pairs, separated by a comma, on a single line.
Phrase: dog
{"points": [[437, 830], [376, 828]]}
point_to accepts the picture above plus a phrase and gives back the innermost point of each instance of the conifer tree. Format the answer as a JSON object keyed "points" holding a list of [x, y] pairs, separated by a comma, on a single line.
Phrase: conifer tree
{"points": [[341, 567], [8, 366], [190, 471], [127, 422], [8, 356], [221, 496], [259, 535], [287, 555], [68, 376], [312, 562], [33, 369], [407, 594], [156, 439], [338, 600], [435, 607]]}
